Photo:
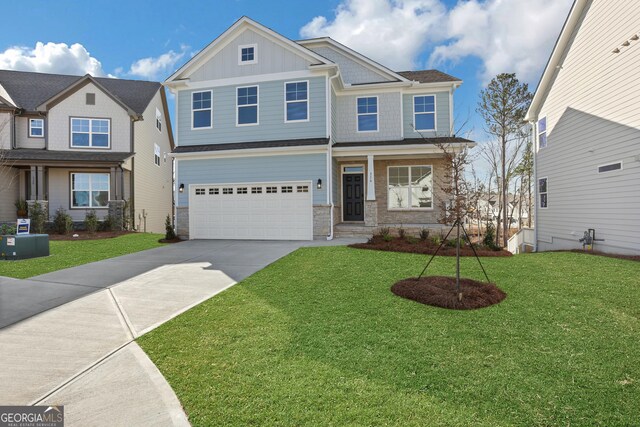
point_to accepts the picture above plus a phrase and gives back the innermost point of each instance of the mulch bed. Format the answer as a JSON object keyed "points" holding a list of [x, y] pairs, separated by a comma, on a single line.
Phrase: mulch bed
{"points": [[440, 291], [425, 247], [608, 255], [84, 235], [176, 240]]}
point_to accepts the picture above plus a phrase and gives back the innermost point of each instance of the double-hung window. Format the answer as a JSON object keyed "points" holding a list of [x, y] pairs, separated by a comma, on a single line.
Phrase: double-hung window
{"points": [[424, 112], [367, 112], [201, 111], [410, 187], [247, 105], [296, 101], [543, 193], [86, 133], [89, 190], [36, 128], [156, 154], [158, 120], [542, 132]]}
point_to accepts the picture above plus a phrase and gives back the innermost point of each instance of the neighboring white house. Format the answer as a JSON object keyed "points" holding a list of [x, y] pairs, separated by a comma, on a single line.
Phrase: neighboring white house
{"points": [[586, 123]]}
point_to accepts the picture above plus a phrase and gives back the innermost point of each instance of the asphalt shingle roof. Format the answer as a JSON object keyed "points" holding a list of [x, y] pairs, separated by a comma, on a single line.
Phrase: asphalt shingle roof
{"points": [[428, 76], [28, 90], [63, 156]]}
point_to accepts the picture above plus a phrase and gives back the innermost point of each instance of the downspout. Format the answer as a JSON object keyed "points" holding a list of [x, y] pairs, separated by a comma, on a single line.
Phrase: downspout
{"points": [[330, 157], [534, 148]]}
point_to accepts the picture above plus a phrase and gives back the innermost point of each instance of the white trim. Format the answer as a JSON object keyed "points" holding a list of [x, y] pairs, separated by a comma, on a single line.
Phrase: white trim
{"points": [[201, 109], [156, 148], [252, 152], [433, 193], [546, 192], [257, 105], [31, 135], [371, 179], [452, 131], [368, 114], [611, 164], [90, 133], [255, 54], [284, 86], [435, 113], [90, 190], [393, 87], [247, 80], [364, 190], [401, 116], [390, 150]]}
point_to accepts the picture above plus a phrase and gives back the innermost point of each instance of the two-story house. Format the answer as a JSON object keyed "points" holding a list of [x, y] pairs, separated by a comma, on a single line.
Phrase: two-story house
{"points": [[282, 139], [85, 143], [586, 125]]}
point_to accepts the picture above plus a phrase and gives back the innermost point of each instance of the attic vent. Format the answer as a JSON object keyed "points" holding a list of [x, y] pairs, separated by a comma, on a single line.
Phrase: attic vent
{"points": [[91, 99], [608, 168]]}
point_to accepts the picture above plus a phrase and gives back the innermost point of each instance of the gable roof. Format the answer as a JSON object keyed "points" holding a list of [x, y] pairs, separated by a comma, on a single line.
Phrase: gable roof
{"points": [[240, 25], [428, 76], [551, 70], [29, 90]]}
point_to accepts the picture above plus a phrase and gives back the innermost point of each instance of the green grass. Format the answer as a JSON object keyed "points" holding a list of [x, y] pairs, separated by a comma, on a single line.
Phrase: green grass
{"points": [[318, 339], [69, 253]]}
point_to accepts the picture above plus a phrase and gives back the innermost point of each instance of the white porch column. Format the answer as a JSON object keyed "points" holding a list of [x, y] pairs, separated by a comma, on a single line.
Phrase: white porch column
{"points": [[371, 182]]}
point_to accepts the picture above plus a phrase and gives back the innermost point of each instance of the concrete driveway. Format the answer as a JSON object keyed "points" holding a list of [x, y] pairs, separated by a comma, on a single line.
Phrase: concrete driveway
{"points": [[82, 353]]}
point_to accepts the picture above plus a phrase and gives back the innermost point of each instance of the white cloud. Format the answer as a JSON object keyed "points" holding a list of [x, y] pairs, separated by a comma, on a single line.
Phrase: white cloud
{"points": [[51, 58], [158, 67], [392, 32], [507, 35]]}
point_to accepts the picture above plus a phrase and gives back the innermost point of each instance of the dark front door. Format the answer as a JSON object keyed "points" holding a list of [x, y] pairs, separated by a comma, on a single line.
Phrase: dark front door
{"points": [[353, 197]]}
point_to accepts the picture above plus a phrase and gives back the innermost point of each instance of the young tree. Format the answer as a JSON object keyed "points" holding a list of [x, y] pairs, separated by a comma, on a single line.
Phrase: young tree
{"points": [[503, 105]]}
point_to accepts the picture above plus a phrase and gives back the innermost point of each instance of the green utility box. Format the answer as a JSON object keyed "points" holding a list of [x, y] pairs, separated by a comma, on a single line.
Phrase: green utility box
{"points": [[24, 246]]}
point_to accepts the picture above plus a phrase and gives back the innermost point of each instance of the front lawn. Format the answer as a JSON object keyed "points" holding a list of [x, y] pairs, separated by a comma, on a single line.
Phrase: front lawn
{"points": [[318, 339], [65, 254]]}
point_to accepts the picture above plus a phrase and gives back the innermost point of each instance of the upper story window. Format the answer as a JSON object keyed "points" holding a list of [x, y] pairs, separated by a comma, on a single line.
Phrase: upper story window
{"points": [[247, 105], [367, 114], [424, 112], [296, 101], [542, 132], [156, 154], [36, 128], [87, 132], [158, 120], [247, 54], [543, 193], [201, 111], [410, 187]]}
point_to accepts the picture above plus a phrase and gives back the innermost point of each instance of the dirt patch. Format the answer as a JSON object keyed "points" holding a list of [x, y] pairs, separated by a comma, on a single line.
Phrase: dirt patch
{"points": [[176, 240], [425, 247], [440, 291], [608, 255], [84, 235]]}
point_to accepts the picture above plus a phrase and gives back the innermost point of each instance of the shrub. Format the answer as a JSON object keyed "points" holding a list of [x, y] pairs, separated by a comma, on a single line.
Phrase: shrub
{"points": [[62, 222], [21, 207], [170, 234], [412, 240], [38, 218], [436, 240], [7, 229], [383, 232], [424, 234], [105, 225], [91, 221], [490, 237], [401, 232], [387, 237]]}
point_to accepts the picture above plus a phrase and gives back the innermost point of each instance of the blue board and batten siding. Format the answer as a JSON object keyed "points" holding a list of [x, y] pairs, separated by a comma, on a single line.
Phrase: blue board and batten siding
{"points": [[443, 125], [302, 167], [271, 115]]}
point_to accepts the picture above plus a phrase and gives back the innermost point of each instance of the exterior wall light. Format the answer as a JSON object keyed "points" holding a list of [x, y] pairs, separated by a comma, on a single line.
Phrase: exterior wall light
{"points": [[319, 185], [181, 188]]}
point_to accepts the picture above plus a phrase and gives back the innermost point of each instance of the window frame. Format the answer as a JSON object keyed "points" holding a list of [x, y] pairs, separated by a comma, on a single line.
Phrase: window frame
{"points": [[31, 135], [435, 113], [538, 133], [202, 109], [255, 54], [257, 105], [410, 208], [156, 155], [159, 118], [71, 190], [91, 133], [286, 103], [377, 114], [546, 179]]}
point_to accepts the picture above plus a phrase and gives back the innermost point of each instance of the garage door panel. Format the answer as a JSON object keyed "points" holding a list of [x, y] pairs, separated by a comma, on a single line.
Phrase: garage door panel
{"points": [[262, 211]]}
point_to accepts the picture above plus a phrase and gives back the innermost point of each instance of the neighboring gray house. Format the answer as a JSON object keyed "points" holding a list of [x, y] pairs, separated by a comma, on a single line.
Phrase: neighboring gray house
{"points": [[278, 139], [85, 143], [587, 131]]}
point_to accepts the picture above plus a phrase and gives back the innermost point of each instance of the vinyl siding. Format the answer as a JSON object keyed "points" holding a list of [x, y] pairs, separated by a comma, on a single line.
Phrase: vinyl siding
{"points": [[443, 127], [60, 192], [309, 167], [153, 185], [59, 137], [22, 134], [8, 193], [593, 120], [389, 120], [5, 131], [272, 58], [270, 116], [351, 71]]}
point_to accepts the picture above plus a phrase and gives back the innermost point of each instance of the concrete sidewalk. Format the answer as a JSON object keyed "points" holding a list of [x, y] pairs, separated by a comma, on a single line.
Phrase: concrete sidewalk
{"points": [[82, 355]]}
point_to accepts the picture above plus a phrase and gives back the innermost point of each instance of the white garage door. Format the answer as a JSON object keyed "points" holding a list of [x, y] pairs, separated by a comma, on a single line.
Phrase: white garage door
{"points": [[259, 211]]}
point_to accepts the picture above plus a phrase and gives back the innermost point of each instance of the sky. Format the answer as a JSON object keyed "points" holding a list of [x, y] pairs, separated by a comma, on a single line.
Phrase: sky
{"points": [[471, 39]]}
